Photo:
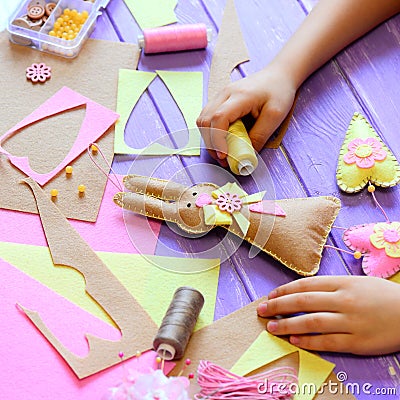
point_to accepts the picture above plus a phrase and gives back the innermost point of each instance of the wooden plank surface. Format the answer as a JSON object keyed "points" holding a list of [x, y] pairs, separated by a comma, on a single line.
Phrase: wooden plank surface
{"points": [[305, 164]]}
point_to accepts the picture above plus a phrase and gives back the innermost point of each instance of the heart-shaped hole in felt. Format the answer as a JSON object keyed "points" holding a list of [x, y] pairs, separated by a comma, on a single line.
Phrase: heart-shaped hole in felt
{"points": [[46, 142]]}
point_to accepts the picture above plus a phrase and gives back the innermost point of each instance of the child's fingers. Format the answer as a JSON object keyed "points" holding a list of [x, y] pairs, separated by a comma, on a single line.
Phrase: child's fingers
{"points": [[321, 322], [338, 342], [311, 284], [267, 122], [299, 302]]}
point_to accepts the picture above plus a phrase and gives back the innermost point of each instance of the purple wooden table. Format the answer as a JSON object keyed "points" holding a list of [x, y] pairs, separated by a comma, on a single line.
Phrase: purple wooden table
{"points": [[361, 78]]}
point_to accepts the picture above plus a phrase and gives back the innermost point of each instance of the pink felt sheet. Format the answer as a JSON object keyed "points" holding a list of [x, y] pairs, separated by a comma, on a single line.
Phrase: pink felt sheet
{"points": [[30, 367], [114, 230], [97, 121]]}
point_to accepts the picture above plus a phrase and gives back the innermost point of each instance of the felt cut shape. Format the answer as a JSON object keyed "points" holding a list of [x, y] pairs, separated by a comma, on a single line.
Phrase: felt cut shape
{"points": [[129, 269], [112, 232], [152, 13], [67, 248], [365, 158], [131, 86], [33, 369], [101, 58], [379, 243], [296, 239], [268, 348], [97, 121]]}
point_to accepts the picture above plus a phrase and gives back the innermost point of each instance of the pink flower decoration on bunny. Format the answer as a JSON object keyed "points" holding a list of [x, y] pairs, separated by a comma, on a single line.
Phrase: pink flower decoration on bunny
{"points": [[38, 73], [364, 153], [229, 202]]}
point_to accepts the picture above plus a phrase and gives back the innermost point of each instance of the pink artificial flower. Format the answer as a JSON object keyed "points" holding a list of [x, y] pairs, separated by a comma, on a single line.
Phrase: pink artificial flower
{"points": [[229, 202], [364, 152], [150, 386], [38, 73]]}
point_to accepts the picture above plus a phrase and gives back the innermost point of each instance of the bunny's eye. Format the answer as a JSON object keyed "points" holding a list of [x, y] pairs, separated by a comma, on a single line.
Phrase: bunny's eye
{"points": [[189, 205], [194, 193]]}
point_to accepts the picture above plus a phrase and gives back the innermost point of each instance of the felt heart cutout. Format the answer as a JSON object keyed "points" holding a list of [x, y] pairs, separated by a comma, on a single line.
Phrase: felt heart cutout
{"points": [[379, 243], [365, 158]]}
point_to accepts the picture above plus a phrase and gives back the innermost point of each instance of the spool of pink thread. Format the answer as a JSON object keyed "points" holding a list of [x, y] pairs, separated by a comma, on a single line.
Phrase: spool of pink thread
{"points": [[174, 38]]}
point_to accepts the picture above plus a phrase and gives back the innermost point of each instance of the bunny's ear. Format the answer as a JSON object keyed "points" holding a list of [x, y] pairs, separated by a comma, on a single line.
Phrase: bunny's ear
{"points": [[159, 188], [147, 205]]}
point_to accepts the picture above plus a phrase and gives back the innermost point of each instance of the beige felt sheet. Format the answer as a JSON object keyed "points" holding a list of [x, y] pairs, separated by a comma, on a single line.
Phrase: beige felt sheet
{"points": [[94, 74], [69, 249]]}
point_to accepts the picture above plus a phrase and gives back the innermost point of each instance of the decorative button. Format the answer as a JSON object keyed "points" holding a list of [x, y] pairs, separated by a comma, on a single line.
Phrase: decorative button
{"points": [[36, 12], [38, 73]]}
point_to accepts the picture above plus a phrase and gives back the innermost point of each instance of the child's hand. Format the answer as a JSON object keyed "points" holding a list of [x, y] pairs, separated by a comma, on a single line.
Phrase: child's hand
{"points": [[267, 95], [353, 314]]}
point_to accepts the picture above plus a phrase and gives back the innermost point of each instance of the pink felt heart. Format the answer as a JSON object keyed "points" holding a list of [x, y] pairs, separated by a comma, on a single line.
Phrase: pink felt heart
{"points": [[375, 242], [203, 199]]}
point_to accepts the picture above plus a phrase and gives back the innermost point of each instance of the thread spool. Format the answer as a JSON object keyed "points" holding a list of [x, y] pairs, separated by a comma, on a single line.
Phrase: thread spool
{"points": [[178, 323], [174, 38], [242, 157]]}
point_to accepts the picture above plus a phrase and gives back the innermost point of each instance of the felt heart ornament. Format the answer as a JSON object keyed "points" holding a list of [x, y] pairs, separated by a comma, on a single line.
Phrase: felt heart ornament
{"points": [[365, 158], [379, 243]]}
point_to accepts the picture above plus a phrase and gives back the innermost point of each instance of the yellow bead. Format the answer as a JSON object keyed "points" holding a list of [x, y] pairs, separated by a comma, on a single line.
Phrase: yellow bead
{"points": [[94, 148], [81, 188], [67, 11], [371, 188], [52, 33], [138, 353], [158, 360], [357, 255], [84, 14], [54, 192], [68, 169]]}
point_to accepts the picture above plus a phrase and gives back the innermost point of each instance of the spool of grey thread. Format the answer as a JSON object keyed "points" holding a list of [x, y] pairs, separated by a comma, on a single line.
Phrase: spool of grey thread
{"points": [[178, 323]]}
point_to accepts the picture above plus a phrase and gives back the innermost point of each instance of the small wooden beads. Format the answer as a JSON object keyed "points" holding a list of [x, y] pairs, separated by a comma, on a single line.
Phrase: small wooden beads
{"points": [[68, 170], [54, 193], [69, 24]]}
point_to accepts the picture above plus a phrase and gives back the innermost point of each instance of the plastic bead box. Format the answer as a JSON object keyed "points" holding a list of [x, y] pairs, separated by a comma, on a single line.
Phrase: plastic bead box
{"points": [[55, 26]]}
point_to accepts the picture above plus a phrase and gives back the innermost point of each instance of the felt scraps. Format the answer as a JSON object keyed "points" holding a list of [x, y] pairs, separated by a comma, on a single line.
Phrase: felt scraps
{"points": [[101, 58], [152, 13], [131, 86], [97, 121], [364, 158], [379, 243], [305, 225], [67, 248]]}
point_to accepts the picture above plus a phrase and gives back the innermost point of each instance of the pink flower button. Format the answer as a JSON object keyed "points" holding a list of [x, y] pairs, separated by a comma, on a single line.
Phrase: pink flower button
{"points": [[229, 202], [38, 73]]}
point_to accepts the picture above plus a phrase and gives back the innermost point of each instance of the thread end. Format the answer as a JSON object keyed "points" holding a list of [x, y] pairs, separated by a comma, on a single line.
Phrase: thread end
{"points": [[246, 168]]}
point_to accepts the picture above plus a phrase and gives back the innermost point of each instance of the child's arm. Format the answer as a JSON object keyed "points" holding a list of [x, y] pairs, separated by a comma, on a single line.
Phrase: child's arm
{"points": [[353, 314], [268, 94]]}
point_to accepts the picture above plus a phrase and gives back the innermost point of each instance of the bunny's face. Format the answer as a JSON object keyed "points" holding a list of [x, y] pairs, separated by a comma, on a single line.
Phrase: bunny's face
{"points": [[191, 217]]}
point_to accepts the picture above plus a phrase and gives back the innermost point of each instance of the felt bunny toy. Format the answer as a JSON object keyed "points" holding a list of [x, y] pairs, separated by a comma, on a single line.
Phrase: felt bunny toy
{"points": [[293, 231]]}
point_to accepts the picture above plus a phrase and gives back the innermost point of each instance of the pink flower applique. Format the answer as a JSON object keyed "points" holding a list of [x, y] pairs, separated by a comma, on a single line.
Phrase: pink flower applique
{"points": [[364, 152], [229, 202], [38, 73], [387, 236], [379, 243]]}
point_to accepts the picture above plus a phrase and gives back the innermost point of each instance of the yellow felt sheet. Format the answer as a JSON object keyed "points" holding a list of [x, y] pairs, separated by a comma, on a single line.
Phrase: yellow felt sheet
{"points": [[186, 88], [147, 278], [152, 13], [313, 370]]}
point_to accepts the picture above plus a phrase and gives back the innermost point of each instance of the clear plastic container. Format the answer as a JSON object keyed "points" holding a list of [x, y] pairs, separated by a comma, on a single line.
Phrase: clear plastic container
{"points": [[41, 40]]}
